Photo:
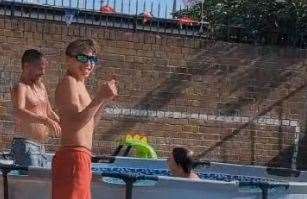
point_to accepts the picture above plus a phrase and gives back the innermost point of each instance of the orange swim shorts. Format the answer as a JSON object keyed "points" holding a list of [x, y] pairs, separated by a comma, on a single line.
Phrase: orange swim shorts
{"points": [[71, 173]]}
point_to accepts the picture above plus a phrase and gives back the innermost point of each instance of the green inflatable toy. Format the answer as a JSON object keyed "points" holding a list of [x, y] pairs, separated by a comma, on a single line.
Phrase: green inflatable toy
{"points": [[142, 148]]}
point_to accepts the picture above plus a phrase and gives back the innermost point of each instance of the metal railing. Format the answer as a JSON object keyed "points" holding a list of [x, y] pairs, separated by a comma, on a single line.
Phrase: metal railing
{"points": [[160, 16], [106, 16], [158, 8]]}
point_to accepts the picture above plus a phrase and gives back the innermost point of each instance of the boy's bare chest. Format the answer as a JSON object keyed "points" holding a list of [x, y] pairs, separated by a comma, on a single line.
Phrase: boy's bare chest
{"points": [[84, 97]]}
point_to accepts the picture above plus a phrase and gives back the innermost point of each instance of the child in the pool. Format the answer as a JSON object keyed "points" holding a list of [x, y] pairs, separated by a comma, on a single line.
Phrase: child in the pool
{"points": [[181, 163]]}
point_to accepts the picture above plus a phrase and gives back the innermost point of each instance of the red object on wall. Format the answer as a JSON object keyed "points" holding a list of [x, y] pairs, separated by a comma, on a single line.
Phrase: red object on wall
{"points": [[187, 21], [147, 16], [107, 9]]}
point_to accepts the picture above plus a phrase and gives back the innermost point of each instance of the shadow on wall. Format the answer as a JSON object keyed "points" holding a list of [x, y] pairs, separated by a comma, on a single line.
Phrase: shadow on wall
{"points": [[253, 74], [283, 159]]}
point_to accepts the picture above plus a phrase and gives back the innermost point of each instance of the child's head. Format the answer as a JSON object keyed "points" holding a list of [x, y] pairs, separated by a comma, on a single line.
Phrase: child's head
{"points": [[81, 57], [181, 161], [33, 64]]}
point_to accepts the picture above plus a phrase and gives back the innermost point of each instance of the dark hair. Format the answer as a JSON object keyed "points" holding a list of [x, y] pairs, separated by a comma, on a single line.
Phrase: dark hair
{"points": [[185, 158], [80, 45], [30, 56]]}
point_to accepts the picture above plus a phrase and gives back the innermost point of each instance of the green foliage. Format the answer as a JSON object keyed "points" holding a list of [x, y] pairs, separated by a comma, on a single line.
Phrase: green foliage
{"points": [[282, 22]]}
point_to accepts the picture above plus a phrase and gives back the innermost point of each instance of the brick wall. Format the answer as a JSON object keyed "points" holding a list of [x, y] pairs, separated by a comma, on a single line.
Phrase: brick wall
{"points": [[178, 91]]}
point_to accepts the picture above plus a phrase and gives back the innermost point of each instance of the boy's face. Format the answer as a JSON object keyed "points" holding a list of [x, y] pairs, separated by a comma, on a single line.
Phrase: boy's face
{"points": [[36, 69], [82, 64]]}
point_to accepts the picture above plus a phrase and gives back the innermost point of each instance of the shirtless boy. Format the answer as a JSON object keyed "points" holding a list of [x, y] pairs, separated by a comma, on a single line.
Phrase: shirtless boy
{"points": [[71, 167], [34, 115]]}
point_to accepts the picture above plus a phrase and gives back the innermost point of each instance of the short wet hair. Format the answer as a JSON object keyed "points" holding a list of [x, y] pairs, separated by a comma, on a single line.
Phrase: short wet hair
{"points": [[31, 56], [184, 158], [79, 46]]}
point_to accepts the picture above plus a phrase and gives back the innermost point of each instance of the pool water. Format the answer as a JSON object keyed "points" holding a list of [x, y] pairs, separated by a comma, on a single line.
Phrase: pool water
{"points": [[164, 172], [218, 181]]}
